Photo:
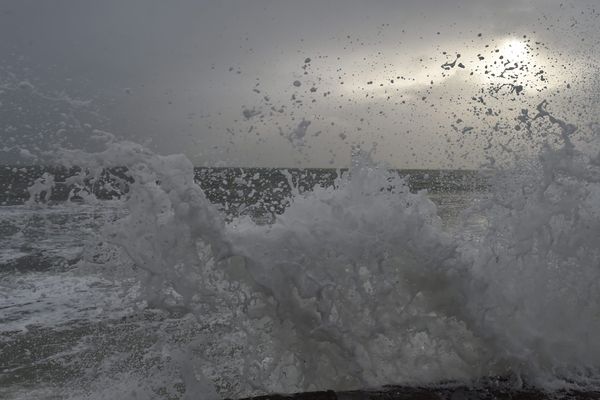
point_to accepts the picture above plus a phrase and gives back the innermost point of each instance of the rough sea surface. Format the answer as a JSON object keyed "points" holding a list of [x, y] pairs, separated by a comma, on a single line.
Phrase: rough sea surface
{"points": [[63, 320], [358, 282]]}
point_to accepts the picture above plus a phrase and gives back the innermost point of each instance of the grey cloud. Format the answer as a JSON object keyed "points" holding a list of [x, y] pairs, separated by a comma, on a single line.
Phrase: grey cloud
{"points": [[181, 73]]}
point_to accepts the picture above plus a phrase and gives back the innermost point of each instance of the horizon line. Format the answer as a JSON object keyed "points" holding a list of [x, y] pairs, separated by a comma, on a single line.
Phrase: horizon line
{"points": [[4, 166]]}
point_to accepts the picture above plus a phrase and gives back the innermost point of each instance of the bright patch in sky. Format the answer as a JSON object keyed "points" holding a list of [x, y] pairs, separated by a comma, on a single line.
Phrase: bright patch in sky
{"points": [[514, 49]]}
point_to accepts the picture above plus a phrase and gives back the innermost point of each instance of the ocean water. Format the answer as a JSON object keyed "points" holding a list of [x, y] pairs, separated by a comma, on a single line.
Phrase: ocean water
{"points": [[70, 317], [358, 281]]}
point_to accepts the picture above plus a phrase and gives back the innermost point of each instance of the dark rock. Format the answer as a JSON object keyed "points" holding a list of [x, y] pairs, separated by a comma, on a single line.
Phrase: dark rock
{"points": [[491, 392]]}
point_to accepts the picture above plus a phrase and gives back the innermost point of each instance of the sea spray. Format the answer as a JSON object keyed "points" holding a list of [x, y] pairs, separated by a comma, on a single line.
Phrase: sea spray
{"points": [[355, 284], [358, 284], [355, 272], [351, 286], [539, 264]]}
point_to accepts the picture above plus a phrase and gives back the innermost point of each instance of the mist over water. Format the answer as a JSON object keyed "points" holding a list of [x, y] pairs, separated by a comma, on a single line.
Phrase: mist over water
{"points": [[130, 273]]}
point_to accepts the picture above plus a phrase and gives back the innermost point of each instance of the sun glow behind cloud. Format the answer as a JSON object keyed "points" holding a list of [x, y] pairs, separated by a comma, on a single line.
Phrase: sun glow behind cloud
{"points": [[514, 48], [512, 61], [414, 99], [520, 62]]}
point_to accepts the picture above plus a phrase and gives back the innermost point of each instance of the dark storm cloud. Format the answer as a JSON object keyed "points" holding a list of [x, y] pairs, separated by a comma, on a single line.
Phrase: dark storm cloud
{"points": [[181, 73]]}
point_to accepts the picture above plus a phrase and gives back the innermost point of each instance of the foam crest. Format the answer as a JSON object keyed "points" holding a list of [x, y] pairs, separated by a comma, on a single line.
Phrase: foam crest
{"points": [[359, 283]]}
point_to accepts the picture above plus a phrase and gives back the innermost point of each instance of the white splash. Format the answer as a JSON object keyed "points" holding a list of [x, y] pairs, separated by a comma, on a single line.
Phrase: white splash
{"points": [[359, 284]]}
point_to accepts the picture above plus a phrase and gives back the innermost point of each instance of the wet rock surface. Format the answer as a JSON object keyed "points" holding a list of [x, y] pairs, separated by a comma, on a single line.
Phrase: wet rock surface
{"points": [[492, 390]]}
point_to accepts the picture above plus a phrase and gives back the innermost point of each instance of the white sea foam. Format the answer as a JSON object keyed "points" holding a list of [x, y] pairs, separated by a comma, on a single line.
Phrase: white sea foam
{"points": [[360, 284]]}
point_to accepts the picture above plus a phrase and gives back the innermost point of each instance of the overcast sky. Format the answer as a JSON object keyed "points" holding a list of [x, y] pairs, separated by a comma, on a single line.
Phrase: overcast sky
{"points": [[287, 83]]}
